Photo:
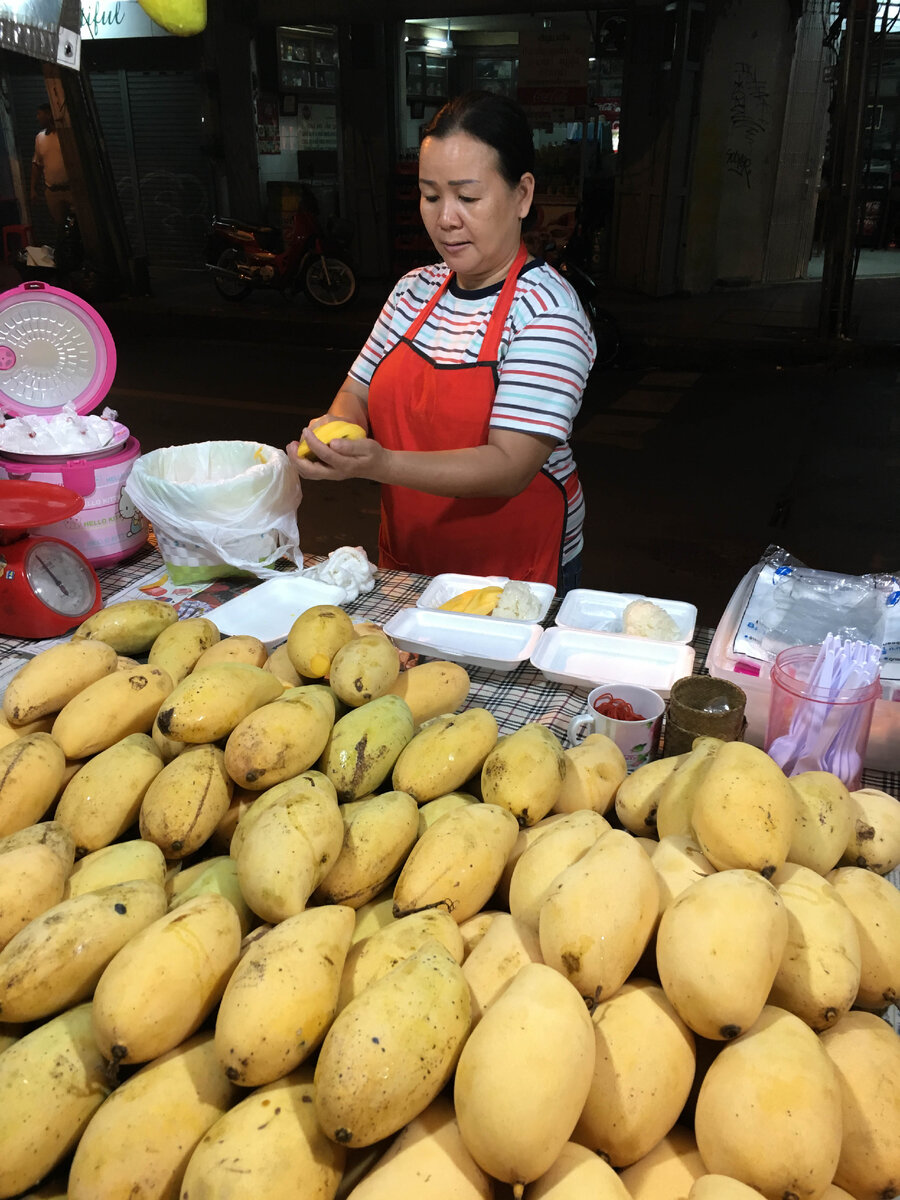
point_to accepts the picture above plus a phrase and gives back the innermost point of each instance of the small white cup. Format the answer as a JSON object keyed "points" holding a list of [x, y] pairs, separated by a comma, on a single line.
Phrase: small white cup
{"points": [[638, 740]]}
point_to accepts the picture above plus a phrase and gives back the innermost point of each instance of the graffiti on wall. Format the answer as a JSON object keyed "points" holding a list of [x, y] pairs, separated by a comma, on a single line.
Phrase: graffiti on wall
{"points": [[749, 118]]}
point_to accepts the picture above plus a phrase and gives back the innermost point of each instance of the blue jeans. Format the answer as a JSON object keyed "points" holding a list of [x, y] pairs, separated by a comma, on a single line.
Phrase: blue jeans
{"points": [[571, 575]]}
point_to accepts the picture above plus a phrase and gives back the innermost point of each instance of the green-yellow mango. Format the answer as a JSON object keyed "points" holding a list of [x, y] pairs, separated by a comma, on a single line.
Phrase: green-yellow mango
{"points": [[364, 746]]}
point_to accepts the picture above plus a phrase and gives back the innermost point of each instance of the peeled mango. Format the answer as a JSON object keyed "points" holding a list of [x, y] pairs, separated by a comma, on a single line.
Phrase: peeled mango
{"points": [[181, 17]]}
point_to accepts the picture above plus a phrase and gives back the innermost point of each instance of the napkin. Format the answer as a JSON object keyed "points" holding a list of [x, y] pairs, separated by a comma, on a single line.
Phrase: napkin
{"points": [[348, 568]]}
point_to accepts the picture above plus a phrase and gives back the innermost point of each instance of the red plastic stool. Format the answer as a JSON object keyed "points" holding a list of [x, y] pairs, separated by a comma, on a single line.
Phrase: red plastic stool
{"points": [[23, 233]]}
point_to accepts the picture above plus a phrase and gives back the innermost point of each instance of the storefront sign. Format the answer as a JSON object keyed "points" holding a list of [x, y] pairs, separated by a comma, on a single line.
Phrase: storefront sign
{"points": [[552, 74], [102, 19]]}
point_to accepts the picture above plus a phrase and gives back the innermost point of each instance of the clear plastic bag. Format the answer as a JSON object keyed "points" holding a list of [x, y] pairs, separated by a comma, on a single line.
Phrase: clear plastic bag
{"points": [[795, 605], [219, 508]]}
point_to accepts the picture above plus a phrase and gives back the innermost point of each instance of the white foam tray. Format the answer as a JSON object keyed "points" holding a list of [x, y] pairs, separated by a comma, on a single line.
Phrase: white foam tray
{"points": [[268, 610], [486, 642], [583, 608], [444, 587], [585, 658]]}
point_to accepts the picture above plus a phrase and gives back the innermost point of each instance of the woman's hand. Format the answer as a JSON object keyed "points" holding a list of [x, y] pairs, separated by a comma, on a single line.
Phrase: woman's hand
{"points": [[361, 458]]}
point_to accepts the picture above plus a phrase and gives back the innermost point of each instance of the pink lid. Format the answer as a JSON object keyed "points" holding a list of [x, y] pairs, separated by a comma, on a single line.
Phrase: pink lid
{"points": [[54, 350]]}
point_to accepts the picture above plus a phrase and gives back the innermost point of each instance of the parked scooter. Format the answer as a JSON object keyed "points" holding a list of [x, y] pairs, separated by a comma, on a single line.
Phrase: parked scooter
{"points": [[310, 258], [571, 260]]}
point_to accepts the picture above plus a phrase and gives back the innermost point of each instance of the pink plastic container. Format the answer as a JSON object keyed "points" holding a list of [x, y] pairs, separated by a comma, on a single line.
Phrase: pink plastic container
{"points": [[109, 528], [56, 350], [832, 731]]}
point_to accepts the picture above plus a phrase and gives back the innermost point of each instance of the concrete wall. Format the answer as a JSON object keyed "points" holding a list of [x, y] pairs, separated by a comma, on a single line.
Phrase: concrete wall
{"points": [[746, 73]]}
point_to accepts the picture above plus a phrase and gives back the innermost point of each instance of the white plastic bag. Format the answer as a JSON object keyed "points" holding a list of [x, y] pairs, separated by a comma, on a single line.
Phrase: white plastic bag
{"points": [[219, 508]]}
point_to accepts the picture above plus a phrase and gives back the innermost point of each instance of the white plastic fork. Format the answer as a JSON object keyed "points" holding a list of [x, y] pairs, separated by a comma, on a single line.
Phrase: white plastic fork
{"points": [[788, 748]]}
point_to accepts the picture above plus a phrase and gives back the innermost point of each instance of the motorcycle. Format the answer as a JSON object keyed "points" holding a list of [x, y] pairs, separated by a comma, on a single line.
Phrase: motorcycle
{"points": [[571, 260], [309, 258]]}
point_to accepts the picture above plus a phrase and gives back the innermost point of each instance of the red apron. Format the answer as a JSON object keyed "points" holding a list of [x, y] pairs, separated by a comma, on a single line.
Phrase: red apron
{"points": [[418, 404]]}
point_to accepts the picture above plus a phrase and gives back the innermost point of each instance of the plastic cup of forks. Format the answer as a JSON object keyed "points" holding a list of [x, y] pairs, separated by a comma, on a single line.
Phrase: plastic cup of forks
{"points": [[817, 728]]}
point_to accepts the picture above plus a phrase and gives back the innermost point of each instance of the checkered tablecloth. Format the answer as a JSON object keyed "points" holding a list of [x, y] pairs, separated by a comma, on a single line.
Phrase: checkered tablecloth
{"points": [[515, 697]]}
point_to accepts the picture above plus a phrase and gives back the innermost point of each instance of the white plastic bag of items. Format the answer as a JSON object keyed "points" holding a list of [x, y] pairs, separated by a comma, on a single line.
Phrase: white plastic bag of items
{"points": [[219, 508]]}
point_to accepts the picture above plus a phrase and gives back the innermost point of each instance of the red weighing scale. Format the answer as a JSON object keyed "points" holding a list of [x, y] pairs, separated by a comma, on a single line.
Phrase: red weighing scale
{"points": [[47, 587]]}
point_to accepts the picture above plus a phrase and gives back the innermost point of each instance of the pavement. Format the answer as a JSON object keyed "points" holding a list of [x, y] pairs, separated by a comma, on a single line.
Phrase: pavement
{"points": [[775, 323]]}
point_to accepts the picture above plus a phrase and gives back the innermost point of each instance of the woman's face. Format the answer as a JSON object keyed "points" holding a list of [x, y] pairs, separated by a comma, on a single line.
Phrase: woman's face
{"points": [[471, 213]]}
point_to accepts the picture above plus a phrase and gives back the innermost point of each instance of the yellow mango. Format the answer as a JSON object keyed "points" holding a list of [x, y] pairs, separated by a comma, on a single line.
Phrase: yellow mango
{"points": [[280, 739], [364, 746], [599, 915], [185, 802], [282, 996], [822, 820], [178, 647], [392, 1050], [103, 798], [818, 976], [513, 1116], [270, 1144], [875, 905], [643, 1072], [140, 1140], [52, 1081], [32, 879], [164, 982], [328, 431], [718, 949], [55, 961], [507, 945], [315, 638], [744, 810], [457, 862], [874, 839], [286, 854], [119, 863], [769, 1110], [379, 832], [431, 689], [129, 626], [865, 1053], [217, 875], [563, 843], [364, 668], [427, 1159], [668, 1171], [678, 790], [311, 784], [115, 706], [375, 953], [595, 770], [524, 773], [444, 754], [239, 648], [47, 682], [31, 772], [637, 797], [575, 1173], [209, 703]]}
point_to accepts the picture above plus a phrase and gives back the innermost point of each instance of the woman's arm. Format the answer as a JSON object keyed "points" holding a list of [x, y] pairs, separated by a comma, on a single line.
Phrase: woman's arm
{"points": [[503, 467]]}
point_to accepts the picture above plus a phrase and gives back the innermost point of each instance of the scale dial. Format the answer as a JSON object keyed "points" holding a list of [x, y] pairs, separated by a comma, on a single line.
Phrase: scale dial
{"points": [[60, 578]]}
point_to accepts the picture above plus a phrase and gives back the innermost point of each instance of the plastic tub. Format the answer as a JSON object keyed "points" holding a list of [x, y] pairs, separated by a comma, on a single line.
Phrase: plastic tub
{"points": [[109, 528]]}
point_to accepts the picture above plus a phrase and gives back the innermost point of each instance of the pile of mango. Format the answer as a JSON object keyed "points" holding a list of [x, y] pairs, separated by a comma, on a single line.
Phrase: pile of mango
{"points": [[302, 926]]}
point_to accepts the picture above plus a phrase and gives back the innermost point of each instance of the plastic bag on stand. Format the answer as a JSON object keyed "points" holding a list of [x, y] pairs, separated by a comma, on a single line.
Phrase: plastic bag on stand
{"points": [[219, 508]]}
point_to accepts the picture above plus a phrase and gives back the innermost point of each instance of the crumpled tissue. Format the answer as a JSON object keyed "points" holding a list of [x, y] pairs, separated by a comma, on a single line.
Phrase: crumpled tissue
{"points": [[349, 568]]}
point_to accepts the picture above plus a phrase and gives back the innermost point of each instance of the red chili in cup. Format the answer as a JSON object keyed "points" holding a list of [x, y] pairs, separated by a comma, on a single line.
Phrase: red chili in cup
{"points": [[607, 705]]}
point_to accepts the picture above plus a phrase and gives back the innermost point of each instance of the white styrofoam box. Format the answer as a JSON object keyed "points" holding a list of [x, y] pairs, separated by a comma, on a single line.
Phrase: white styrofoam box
{"points": [[444, 587], [752, 675], [481, 641], [268, 610], [584, 608], [586, 658]]}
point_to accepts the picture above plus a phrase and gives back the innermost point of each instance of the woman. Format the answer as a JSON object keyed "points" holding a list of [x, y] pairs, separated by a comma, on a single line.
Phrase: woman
{"points": [[473, 374]]}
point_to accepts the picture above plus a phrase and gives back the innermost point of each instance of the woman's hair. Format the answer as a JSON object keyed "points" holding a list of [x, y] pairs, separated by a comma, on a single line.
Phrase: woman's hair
{"points": [[494, 120]]}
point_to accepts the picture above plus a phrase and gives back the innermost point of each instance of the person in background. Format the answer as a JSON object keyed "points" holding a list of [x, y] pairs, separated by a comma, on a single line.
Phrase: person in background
{"points": [[473, 374], [48, 171]]}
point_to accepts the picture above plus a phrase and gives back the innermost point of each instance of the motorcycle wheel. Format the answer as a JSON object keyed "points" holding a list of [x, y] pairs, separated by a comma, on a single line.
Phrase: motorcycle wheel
{"points": [[329, 282], [227, 287], [606, 333]]}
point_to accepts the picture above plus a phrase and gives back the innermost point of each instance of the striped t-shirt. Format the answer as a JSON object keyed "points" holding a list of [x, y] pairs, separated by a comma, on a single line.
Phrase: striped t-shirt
{"points": [[546, 351]]}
